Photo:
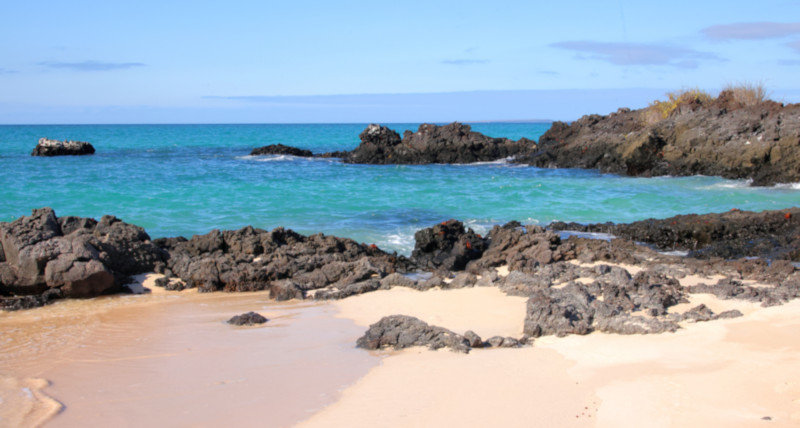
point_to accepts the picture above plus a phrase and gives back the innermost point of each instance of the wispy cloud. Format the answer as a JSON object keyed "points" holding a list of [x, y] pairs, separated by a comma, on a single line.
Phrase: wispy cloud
{"points": [[91, 65], [791, 62], [752, 30], [638, 53], [6, 71], [465, 61], [794, 45]]}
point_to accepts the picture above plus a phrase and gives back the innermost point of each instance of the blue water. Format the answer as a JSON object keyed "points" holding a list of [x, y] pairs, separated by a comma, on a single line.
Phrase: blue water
{"points": [[188, 179]]}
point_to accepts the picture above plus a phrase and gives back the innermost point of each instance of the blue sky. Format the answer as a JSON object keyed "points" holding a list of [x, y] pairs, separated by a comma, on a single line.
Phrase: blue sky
{"points": [[367, 61]]}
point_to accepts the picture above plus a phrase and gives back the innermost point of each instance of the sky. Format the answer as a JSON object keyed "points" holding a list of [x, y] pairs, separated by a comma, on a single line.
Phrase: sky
{"points": [[306, 61]]}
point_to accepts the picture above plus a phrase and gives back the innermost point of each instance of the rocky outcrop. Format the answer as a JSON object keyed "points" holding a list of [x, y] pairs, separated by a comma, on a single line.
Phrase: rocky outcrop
{"points": [[280, 149], [720, 138], [609, 304], [448, 144], [572, 285], [773, 235], [78, 257], [282, 261], [47, 147], [447, 246], [402, 331], [247, 319]]}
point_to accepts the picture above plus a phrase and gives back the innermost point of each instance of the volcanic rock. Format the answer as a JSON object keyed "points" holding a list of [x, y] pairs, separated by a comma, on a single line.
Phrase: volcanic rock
{"points": [[448, 144], [402, 331], [280, 149], [249, 318], [446, 246], [720, 138], [77, 256], [282, 261], [47, 147], [733, 234]]}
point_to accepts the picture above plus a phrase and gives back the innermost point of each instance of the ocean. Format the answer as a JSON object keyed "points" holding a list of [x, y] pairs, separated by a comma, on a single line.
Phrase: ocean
{"points": [[189, 179]]}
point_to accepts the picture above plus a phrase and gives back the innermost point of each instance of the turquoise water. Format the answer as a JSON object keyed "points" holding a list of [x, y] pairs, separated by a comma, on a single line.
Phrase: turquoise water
{"points": [[188, 179]]}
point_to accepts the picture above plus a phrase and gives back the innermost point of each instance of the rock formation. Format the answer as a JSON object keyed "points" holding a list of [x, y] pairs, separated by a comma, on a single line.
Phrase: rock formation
{"points": [[280, 149], [249, 318], [43, 258], [448, 144], [721, 137], [282, 261], [401, 331], [767, 234], [47, 147], [70, 256]]}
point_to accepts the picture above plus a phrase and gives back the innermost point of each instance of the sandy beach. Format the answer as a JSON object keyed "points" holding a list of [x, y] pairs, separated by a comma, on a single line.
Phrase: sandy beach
{"points": [[740, 372], [169, 359]]}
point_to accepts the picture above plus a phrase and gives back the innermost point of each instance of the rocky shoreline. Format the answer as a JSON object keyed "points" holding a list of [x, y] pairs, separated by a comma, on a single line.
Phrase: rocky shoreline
{"points": [[625, 287], [759, 142], [718, 137]]}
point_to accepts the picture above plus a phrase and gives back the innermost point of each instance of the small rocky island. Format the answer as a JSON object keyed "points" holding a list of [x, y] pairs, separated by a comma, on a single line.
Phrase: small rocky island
{"points": [[447, 144], [454, 143], [47, 147], [280, 149]]}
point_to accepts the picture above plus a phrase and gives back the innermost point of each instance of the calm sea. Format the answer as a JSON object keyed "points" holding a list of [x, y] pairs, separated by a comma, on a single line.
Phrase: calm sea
{"points": [[188, 179]]}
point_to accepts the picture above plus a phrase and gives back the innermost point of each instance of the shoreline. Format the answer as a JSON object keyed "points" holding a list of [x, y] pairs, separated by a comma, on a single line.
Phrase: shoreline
{"points": [[170, 358], [737, 372], [160, 354]]}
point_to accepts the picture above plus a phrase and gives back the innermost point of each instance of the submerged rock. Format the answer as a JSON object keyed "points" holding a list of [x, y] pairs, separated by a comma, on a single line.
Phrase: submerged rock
{"points": [[47, 147]]}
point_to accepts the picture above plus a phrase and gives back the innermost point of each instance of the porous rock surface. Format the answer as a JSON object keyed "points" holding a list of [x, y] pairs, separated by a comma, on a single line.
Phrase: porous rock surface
{"points": [[447, 144], [771, 234], [50, 257], [47, 147], [574, 285], [402, 331], [720, 138], [282, 261]]}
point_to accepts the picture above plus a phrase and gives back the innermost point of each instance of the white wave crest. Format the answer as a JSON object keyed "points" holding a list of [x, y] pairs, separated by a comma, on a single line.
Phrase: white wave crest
{"points": [[283, 158], [788, 186], [730, 184]]}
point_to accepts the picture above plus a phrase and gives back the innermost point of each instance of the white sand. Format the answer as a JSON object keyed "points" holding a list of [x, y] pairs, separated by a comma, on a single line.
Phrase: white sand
{"points": [[485, 310], [724, 373]]}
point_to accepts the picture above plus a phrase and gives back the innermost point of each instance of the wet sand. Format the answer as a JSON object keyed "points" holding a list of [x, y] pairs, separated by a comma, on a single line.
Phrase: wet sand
{"points": [[171, 360]]}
